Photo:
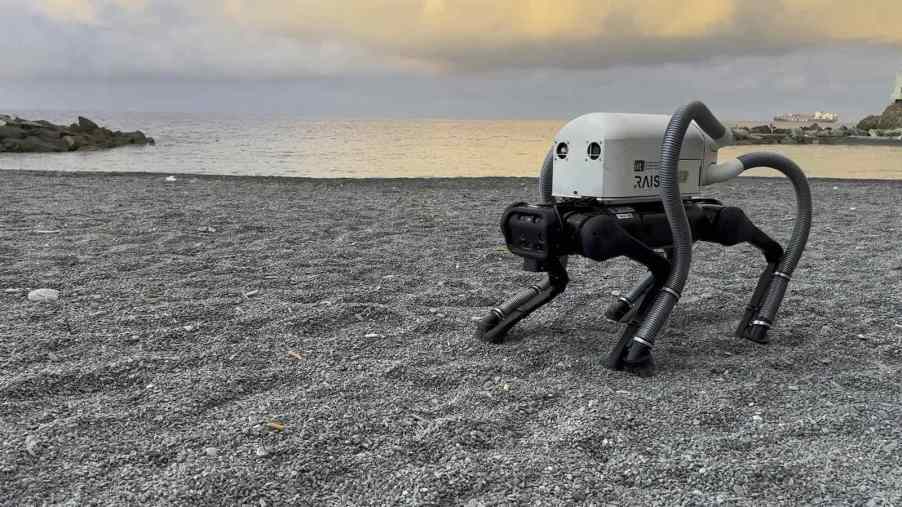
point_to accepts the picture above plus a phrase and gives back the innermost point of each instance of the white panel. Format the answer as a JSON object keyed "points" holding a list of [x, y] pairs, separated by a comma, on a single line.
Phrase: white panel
{"points": [[627, 167]]}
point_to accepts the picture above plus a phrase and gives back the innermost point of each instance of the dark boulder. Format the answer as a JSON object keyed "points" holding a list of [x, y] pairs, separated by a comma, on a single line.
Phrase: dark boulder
{"points": [[740, 134], [33, 145], [86, 124], [10, 132]]}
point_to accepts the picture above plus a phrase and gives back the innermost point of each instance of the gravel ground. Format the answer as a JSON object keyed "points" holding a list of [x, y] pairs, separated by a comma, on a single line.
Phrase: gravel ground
{"points": [[223, 339]]}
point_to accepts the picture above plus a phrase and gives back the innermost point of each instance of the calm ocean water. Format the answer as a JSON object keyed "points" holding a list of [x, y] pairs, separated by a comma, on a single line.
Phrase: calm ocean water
{"points": [[284, 146]]}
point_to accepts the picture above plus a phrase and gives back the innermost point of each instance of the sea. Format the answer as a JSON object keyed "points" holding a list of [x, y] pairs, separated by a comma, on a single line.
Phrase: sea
{"points": [[231, 144]]}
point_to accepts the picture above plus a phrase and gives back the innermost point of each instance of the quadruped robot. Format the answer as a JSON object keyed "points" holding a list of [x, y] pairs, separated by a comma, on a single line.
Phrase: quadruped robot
{"points": [[628, 185]]}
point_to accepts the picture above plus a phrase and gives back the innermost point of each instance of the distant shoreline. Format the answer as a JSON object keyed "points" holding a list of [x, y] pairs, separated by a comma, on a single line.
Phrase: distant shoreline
{"points": [[390, 149]]}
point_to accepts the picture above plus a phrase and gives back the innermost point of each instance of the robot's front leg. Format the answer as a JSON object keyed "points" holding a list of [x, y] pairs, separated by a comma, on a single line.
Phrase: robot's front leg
{"points": [[617, 359], [603, 238], [495, 325], [621, 309]]}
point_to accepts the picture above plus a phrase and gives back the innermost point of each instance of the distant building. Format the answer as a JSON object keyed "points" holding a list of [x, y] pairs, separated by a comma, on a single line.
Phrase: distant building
{"points": [[897, 91]]}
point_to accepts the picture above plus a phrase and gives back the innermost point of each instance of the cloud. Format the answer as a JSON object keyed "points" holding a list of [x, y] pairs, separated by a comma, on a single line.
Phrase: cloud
{"points": [[163, 39], [83, 11], [283, 39], [473, 34]]}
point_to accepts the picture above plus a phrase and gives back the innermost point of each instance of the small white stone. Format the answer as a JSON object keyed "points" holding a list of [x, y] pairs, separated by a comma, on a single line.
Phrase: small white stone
{"points": [[261, 451], [372, 335], [211, 451], [43, 295], [31, 445], [170, 178]]}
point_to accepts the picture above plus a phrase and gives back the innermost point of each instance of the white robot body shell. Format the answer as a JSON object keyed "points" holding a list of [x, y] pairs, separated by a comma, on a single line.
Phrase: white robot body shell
{"points": [[623, 166]]}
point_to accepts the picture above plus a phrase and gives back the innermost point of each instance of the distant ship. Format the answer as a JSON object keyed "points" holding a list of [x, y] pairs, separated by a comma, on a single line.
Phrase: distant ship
{"points": [[819, 116]]}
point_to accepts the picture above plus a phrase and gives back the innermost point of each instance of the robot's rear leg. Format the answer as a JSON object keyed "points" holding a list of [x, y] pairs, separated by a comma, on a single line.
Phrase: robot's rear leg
{"points": [[730, 226], [495, 325]]}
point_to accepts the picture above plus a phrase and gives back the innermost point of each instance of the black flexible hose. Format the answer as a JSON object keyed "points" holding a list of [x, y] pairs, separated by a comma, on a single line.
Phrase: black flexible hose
{"points": [[546, 181], [676, 214], [546, 177], [800, 230]]}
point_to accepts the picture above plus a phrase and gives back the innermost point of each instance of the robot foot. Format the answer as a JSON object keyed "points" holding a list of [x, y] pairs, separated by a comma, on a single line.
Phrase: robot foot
{"points": [[756, 333], [491, 329], [639, 361], [630, 357]]}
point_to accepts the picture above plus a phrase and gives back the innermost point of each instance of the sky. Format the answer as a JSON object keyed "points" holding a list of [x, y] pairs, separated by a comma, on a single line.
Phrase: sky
{"points": [[450, 58]]}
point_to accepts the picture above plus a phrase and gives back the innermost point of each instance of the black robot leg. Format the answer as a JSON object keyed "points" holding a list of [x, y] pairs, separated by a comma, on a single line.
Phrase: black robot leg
{"points": [[495, 325], [659, 270], [620, 310], [627, 305], [617, 357], [730, 226]]}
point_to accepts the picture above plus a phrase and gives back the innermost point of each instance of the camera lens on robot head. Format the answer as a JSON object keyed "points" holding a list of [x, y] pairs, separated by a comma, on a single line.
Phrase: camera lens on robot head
{"points": [[594, 151]]}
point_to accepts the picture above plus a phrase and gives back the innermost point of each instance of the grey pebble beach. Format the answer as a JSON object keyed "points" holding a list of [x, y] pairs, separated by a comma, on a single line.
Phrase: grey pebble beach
{"points": [[275, 340]]}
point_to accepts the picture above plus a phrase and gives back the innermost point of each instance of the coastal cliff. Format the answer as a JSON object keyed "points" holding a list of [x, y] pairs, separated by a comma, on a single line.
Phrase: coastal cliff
{"points": [[889, 120], [24, 136]]}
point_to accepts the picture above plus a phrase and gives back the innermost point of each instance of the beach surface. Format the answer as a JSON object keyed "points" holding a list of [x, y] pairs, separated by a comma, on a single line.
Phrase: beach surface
{"points": [[270, 340]]}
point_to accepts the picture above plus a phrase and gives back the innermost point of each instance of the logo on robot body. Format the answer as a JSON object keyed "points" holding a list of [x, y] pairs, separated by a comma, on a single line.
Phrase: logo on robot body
{"points": [[651, 180], [646, 181]]}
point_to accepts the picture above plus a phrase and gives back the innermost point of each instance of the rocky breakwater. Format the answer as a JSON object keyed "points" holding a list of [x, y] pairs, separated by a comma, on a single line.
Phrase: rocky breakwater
{"points": [[25, 136], [816, 134]]}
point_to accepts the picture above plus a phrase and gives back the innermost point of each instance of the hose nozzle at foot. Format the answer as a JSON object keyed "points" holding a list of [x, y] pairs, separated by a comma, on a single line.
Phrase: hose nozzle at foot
{"points": [[757, 332], [639, 360]]}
